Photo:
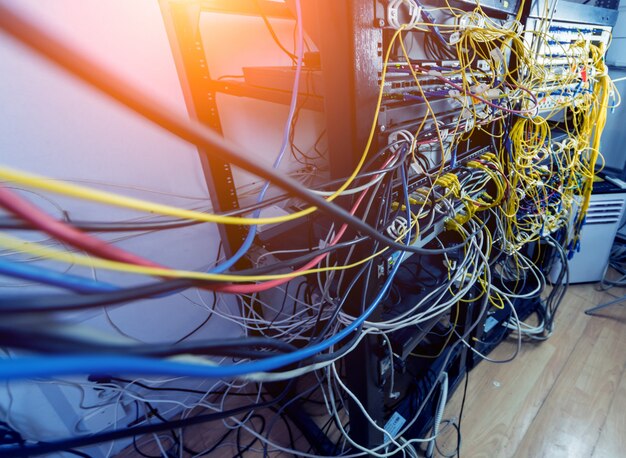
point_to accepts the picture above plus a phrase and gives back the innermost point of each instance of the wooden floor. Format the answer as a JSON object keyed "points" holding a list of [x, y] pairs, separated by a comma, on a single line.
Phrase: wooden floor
{"points": [[565, 397]]}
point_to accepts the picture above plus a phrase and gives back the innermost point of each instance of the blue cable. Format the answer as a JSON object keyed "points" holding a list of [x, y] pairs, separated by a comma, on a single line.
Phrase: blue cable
{"points": [[415, 98], [85, 285], [431, 20], [50, 277], [55, 366], [247, 243]]}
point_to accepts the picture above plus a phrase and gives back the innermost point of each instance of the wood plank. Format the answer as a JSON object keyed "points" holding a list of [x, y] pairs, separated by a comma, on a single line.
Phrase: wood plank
{"points": [[503, 399], [596, 296], [569, 422], [562, 397], [612, 441]]}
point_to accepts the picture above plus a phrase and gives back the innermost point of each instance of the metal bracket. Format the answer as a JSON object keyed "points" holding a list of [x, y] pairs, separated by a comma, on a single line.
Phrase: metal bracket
{"points": [[182, 24]]}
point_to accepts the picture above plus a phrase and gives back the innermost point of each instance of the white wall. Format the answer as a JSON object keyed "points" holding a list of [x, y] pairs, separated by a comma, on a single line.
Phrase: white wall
{"points": [[53, 125], [50, 124], [617, 51], [614, 136]]}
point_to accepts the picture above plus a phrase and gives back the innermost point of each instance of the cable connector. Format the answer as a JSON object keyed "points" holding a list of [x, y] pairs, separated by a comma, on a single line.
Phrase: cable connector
{"points": [[472, 20], [479, 89], [393, 14], [455, 38], [513, 25]]}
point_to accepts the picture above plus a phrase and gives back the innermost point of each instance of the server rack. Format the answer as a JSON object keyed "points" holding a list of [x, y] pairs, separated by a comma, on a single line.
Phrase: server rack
{"points": [[351, 37]]}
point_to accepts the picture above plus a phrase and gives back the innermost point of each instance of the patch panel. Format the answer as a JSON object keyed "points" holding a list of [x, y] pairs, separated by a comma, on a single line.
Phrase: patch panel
{"points": [[563, 41], [420, 181], [558, 99], [397, 83]]}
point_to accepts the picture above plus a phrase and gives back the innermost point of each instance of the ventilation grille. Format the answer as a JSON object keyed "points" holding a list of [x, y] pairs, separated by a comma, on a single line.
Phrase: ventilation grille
{"points": [[604, 212]]}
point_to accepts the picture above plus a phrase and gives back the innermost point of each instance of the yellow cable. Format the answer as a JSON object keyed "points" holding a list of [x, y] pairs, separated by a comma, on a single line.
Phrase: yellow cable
{"points": [[18, 245], [85, 193]]}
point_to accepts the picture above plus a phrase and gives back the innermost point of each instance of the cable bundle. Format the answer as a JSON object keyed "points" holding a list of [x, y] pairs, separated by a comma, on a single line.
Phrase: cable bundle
{"points": [[433, 226]]}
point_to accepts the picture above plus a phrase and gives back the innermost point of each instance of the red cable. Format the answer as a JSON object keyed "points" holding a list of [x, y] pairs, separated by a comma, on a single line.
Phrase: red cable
{"points": [[61, 231], [259, 287]]}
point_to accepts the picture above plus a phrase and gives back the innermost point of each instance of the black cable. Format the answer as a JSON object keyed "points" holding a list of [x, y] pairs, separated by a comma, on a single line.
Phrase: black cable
{"points": [[344, 298], [9, 436], [51, 342], [366, 270], [381, 210], [216, 444], [202, 137], [108, 436], [301, 259], [156, 413], [325, 428], [157, 388], [9, 223], [292, 442], [240, 450], [294, 123], [348, 345], [135, 446], [78, 453], [203, 393], [26, 304], [84, 67], [131, 383], [458, 453], [436, 48], [268, 24], [204, 322], [287, 424], [67, 302], [280, 412], [130, 226]]}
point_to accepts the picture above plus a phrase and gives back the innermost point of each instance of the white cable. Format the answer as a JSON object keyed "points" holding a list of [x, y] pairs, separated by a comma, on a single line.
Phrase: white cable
{"points": [[351, 191], [357, 402], [439, 414]]}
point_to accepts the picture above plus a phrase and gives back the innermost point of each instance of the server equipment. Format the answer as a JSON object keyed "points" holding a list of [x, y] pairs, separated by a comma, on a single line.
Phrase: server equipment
{"points": [[462, 140]]}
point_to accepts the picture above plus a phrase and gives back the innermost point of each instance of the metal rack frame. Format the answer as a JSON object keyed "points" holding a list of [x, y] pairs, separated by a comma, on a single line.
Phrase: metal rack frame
{"points": [[349, 36]]}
